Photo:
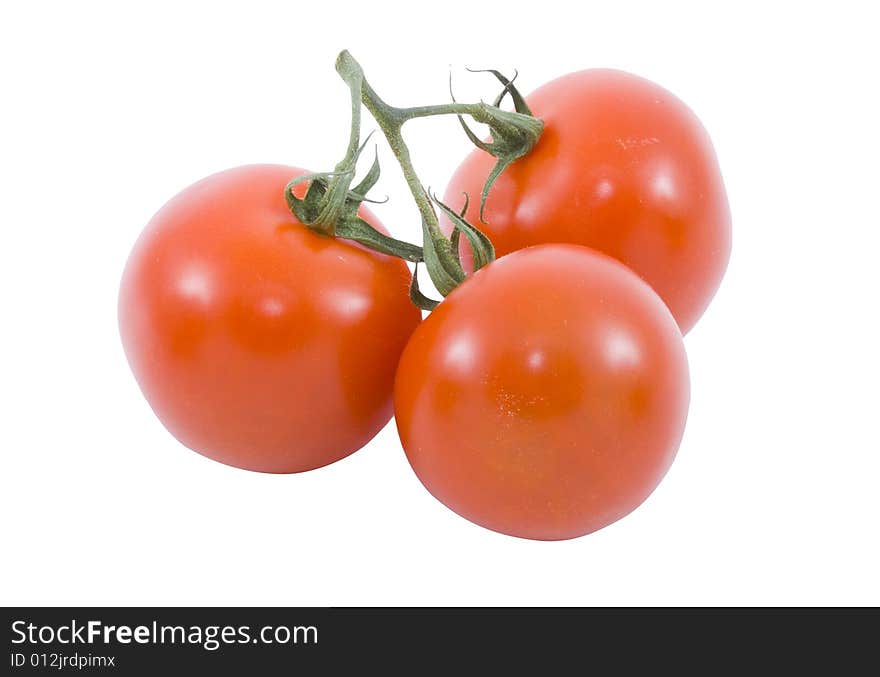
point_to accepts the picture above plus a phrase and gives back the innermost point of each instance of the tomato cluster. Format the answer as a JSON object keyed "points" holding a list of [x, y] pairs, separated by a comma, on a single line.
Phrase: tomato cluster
{"points": [[545, 397]]}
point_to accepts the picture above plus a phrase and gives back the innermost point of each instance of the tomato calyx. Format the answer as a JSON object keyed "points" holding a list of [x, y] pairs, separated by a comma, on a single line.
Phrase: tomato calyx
{"points": [[514, 134], [327, 210], [442, 258], [330, 204]]}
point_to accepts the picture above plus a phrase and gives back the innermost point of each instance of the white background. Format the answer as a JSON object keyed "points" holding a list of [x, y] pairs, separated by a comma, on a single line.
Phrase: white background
{"points": [[110, 108]]}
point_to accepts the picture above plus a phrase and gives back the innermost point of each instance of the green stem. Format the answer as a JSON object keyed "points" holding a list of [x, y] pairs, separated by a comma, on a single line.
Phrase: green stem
{"points": [[354, 139], [391, 119], [514, 133], [447, 272], [340, 179], [453, 108]]}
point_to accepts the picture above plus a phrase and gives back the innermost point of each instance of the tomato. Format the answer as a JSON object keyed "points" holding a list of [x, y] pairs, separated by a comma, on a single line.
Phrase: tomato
{"points": [[256, 341], [546, 396], [624, 167]]}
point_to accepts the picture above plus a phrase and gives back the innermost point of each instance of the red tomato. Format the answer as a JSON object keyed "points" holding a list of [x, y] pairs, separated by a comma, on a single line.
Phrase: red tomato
{"points": [[257, 342], [624, 167], [546, 396]]}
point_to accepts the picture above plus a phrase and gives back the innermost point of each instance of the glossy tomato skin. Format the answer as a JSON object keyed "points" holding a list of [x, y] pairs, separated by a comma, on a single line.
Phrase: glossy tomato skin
{"points": [[257, 342], [624, 167], [546, 396]]}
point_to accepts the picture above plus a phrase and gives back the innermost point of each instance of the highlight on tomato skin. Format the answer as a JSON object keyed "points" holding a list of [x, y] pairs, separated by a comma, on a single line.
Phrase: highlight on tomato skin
{"points": [[622, 166], [546, 396], [257, 342]]}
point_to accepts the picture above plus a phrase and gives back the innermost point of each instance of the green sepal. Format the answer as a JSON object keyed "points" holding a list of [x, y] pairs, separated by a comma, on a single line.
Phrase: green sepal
{"points": [[417, 297], [455, 235], [519, 103], [371, 177], [307, 208], [481, 246], [443, 266]]}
